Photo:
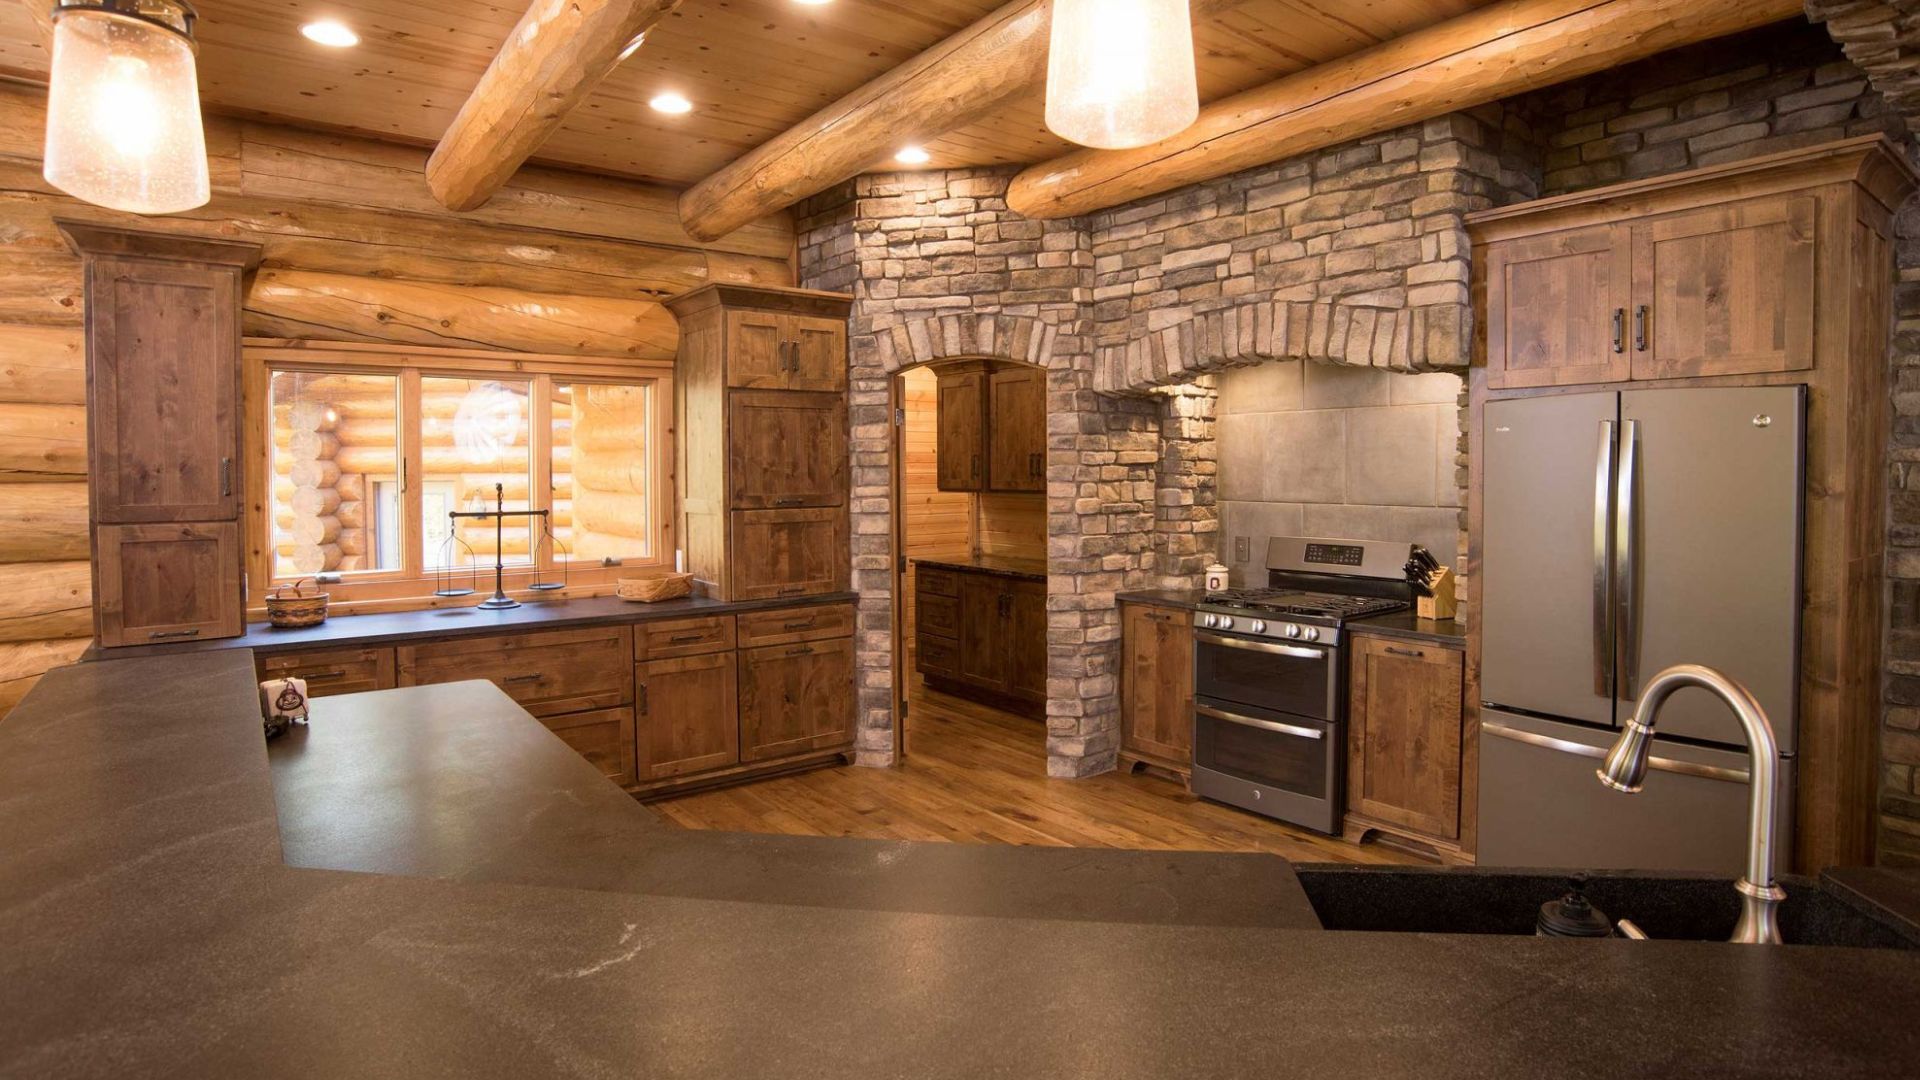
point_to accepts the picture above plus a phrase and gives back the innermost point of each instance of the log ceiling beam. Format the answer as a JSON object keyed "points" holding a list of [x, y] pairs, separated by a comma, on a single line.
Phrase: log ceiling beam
{"points": [[556, 55], [1495, 52], [963, 79]]}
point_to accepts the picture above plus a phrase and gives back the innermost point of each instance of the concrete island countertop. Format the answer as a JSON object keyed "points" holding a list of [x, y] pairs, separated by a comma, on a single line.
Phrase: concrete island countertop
{"points": [[426, 882]]}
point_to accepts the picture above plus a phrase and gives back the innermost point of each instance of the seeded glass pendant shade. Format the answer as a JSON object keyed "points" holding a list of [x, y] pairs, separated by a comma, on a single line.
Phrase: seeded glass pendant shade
{"points": [[1120, 72], [123, 107]]}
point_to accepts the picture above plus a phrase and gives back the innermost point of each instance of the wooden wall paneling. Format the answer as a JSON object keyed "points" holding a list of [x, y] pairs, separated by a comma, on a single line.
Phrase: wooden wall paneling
{"points": [[934, 523], [42, 443], [1013, 526], [45, 522], [43, 364], [40, 601]]}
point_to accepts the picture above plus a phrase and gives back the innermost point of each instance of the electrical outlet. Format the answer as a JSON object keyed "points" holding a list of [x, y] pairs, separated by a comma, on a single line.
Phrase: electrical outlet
{"points": [[1242, 549]]}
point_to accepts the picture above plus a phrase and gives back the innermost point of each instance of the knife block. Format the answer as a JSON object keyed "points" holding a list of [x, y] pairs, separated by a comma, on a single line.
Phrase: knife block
{"points": [[1442, 604]]}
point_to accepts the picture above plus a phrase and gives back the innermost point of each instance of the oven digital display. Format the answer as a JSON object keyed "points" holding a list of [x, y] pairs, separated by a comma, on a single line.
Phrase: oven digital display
{"points": [[1336, 554]]}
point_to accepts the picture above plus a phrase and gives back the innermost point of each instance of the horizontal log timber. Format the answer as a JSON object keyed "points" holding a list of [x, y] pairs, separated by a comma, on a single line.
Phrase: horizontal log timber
{"points": [[42, 443], [964, 78], [43, 364], [45, 522], [1495, 52], [23, 662], [555, 56], [44, 601], [338, 307]]}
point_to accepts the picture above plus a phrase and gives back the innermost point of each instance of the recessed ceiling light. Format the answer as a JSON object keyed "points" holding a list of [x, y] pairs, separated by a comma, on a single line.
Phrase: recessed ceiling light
{"points": [[671, 103], [912, 155], [330, 33]]}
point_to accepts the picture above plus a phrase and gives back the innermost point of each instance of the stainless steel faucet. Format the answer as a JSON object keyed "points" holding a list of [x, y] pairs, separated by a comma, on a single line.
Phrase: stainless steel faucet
{"points": [[1626, 770]]}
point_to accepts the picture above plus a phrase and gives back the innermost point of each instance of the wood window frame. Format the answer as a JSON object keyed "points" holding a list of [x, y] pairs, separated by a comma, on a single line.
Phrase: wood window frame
{"points": [[411, 587]]}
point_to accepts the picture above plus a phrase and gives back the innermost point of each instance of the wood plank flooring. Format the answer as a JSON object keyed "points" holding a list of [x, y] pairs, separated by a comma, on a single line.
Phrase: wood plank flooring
{"points": [[976, 775]]}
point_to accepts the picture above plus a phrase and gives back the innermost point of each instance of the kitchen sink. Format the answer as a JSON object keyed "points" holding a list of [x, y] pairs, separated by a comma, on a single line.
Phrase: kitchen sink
{"points": [[1682, 907]]}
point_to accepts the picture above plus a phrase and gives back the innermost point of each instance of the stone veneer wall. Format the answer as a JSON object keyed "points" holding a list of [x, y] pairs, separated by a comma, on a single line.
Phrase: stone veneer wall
{"points": [[1353, 255], [1771, 90]]}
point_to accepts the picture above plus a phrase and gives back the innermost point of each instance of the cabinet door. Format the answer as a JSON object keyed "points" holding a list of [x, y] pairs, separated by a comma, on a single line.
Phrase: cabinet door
{"points": [[786, 449], [1557, 308], [160, 583], [756, 349], [1026, 640], [985, 620], [1017, 429], [560, 671], [603, 737], [1157, 684], [1403, 754], [163, 348], [795, 699], [1728, 290], [816, 353], [779, 553], [959, 459], [688, 716], [333, 671]]}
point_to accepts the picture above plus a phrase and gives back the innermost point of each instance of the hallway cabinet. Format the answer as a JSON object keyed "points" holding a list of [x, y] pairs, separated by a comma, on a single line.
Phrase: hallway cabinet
{"points": [[983, 633], [992, 427], [163, 432]]}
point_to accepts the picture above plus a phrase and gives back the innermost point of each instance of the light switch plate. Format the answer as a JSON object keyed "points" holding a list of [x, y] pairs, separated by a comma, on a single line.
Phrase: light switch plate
{"points": [[1242, 549]]}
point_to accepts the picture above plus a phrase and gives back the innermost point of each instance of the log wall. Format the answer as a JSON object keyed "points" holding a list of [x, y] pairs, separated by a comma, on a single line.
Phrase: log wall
{"points": [[356, 249]]}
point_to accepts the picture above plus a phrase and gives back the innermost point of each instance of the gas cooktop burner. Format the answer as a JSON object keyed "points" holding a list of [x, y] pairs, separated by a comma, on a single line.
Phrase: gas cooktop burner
{"points": [[1305, 604]]}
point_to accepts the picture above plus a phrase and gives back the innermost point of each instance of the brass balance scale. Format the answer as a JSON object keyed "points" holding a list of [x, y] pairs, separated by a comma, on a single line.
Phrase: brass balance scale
{"points": [[499, 601]]}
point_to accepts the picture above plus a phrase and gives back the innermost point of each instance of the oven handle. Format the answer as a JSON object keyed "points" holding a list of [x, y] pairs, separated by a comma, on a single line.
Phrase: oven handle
{"points": [[1265, 725], [1261, 646]]}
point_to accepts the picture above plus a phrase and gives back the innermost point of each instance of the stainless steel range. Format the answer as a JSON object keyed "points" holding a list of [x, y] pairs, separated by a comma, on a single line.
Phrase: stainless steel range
{"points": [[1269, 726]]}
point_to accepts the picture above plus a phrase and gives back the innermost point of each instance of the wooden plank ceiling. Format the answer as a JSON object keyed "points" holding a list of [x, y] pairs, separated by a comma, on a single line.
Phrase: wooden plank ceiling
{"points": [[752, 68]]}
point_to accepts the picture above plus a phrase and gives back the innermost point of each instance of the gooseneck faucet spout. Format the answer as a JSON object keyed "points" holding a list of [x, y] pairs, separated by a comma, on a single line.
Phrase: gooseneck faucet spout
{"points": [[1626, 770]]}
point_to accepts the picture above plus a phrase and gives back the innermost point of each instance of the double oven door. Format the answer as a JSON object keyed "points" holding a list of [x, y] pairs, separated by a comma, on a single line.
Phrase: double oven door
{"points": [[1268, 734]]}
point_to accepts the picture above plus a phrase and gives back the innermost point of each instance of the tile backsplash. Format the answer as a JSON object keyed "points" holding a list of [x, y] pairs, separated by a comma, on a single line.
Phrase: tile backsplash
{"points": [[1323, 450]]}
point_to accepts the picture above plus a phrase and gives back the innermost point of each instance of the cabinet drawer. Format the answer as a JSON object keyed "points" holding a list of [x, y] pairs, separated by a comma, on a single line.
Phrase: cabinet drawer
{"points": [[333, 671], [938, 615], [682, 637], [604, 737], [796, 624], [782, 553], [937, 581], [548, 674], [937, 656]]}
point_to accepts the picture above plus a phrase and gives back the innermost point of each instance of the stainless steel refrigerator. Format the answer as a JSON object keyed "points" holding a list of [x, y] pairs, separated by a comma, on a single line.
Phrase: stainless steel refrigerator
{"points": [[1624, 532]]}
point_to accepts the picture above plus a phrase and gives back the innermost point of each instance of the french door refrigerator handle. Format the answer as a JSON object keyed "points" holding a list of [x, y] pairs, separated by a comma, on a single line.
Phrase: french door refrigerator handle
{"points": [[1626, 571], [1602, 568], [1599, 753]]}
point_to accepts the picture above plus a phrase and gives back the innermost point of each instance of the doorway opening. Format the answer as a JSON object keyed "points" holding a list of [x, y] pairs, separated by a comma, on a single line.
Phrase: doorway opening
{"points": [[970, 579]]}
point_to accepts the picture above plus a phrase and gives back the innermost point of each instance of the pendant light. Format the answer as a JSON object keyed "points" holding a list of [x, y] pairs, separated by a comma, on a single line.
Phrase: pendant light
{"points": [[123, 107], [1120, 72]]}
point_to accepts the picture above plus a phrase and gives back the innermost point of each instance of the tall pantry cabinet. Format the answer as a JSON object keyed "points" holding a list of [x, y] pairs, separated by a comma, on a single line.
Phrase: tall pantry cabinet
{"points": [[163, 432]]}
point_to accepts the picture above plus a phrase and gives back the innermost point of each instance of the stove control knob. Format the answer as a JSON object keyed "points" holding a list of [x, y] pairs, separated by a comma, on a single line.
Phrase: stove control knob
{"points": [[1212, 620], [1313, 633], [1259, 627], [1226, 622], [1292, 630]]}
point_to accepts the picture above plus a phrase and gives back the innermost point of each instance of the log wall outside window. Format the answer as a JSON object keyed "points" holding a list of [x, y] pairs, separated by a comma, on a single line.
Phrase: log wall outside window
{"points": [[356, 250]]}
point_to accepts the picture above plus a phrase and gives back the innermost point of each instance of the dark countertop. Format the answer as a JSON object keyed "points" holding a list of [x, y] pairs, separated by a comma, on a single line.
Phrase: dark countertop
{"points": [[388, 627], [1403, 625], [150, 926], [999, 565]]}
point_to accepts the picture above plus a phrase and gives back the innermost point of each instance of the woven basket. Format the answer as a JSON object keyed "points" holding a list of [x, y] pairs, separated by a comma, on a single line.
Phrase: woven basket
{"points": [[290, 607], [648, 590]]}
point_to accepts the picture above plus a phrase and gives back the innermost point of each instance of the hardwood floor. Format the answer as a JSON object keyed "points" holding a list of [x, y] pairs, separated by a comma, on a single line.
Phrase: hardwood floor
{"points": [[976, 775]]}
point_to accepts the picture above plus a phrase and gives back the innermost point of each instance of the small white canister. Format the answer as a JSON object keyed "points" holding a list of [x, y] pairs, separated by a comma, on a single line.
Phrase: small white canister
{"points": [[1217, 578], [283, 702]]}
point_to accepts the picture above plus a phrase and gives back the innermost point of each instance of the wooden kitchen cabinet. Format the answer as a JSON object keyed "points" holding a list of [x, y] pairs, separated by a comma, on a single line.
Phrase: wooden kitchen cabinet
{"points": [[981, 631], [683, 637], [760, 424], [1406, 721], [604, 737], [985, 618], [163, 431], [796, 699], [1017, 429], [960, 450], [333, 671], [687, 716], [1557, 308], [549, 673], [1156, 687], [786, 449]]}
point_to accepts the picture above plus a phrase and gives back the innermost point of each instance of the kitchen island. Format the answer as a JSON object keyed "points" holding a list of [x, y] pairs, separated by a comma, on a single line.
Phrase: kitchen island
{"points": [[176, 900]]}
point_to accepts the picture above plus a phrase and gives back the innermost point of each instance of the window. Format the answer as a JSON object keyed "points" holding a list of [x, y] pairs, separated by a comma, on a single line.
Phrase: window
{"points": [[367, 452]]}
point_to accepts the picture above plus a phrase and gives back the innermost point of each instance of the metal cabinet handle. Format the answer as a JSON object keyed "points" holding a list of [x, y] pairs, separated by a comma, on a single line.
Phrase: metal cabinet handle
{"points": [[226, 476], [640, 699], [807, 625], [789, 590], [975, 467], [1397, 651], [1619, 330], [682, 639], [790, 501], [800, 650], [1640, 315], [323, 675], [534, 677], [162, 635]]}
